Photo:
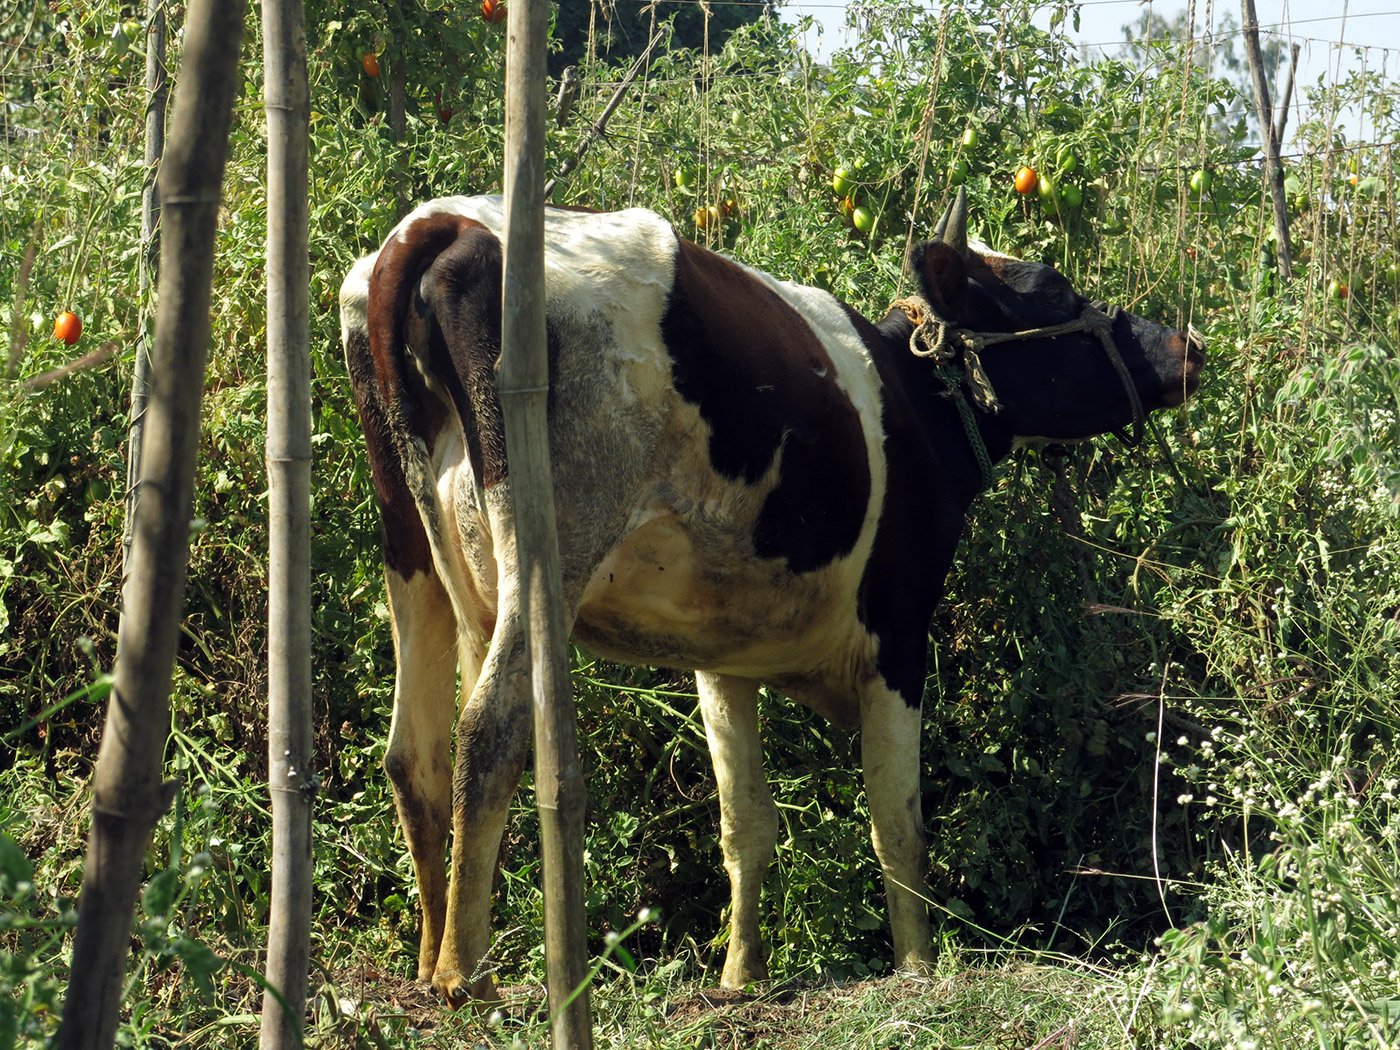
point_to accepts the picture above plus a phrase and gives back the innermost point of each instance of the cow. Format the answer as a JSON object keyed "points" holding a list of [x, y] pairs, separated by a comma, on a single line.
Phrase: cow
{"points": [[752, 482]]}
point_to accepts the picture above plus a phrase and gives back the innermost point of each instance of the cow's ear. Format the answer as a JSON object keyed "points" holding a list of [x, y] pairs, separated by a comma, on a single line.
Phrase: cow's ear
{"points": [[942, 274]]}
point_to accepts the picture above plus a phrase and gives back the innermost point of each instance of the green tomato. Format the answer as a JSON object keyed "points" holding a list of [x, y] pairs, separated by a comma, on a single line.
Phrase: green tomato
{"points": [[685, 178], [1049, 192], [842, 181], [1071, 195], [1066, 163], [863, 219], [957, 172], [1201, 181], [970, 138]]}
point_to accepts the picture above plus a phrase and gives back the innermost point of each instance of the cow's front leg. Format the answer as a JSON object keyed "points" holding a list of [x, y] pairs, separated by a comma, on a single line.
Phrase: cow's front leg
{"points": [[748, 818], [493, 743], [889, 747]]}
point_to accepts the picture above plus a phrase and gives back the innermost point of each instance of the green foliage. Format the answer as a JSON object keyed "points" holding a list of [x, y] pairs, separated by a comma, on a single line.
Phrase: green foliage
{"points": [[1178, 664]]}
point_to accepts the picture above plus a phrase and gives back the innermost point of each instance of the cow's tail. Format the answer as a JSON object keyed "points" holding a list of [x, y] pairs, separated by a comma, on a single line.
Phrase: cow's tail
{"points": [[417, 291]]}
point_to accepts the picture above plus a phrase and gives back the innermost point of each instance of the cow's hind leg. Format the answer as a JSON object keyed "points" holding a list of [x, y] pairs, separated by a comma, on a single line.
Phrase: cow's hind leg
{"points": [[889, 745], [418, 758], [748, 817], [494, 731]]}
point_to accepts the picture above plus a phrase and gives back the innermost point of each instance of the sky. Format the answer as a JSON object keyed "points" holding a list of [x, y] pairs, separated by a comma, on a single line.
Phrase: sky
{"points": [[1317, 25]]}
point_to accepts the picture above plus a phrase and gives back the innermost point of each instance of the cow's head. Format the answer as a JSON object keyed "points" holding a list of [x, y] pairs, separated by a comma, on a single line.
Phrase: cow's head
{"points": [[1038, 359]]}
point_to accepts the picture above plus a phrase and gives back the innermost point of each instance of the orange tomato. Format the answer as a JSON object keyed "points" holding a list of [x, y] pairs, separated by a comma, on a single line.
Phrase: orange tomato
{"points": [[68, 327], [369, 62], [707, 217], [493, 10], [1027, 179]]}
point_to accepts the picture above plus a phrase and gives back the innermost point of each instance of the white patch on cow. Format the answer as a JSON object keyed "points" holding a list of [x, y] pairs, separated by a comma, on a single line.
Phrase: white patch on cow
{"points": [[354, 298]]}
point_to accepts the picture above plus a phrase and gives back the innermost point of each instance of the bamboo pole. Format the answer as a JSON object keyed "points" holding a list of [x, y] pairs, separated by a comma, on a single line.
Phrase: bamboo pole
{"points": [[523, 382], [1273, 167], [129, 794], [1281, 120], [291, 777], [157, 94]]}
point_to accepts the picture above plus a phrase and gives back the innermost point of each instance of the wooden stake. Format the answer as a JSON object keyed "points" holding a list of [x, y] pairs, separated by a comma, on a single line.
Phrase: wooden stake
{"points": [[523, 380], [596, 131], [129, 793], [157, 94], [1273, 167], [291, 776]]}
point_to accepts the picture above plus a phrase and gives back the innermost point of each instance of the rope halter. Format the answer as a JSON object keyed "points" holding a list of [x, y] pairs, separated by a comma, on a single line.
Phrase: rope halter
{"points": [[956, 354]]}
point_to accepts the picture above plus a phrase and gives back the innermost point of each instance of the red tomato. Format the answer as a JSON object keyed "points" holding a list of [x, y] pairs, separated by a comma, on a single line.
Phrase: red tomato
{"points": [[68, 327], [1027, 179], [493, 10], [369, 62]]}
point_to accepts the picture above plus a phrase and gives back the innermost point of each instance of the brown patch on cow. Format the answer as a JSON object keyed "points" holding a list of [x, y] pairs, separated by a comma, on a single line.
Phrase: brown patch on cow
{"points": [[406, 549], [766, 387]]}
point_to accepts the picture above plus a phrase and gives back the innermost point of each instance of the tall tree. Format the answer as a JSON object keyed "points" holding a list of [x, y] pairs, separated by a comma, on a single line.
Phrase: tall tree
{"points": [[1215, 52], [291, 776], [129, 792]]}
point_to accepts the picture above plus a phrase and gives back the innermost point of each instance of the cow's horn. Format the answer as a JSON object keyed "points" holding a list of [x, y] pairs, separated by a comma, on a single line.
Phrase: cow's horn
{"points": [[952, 228]]}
